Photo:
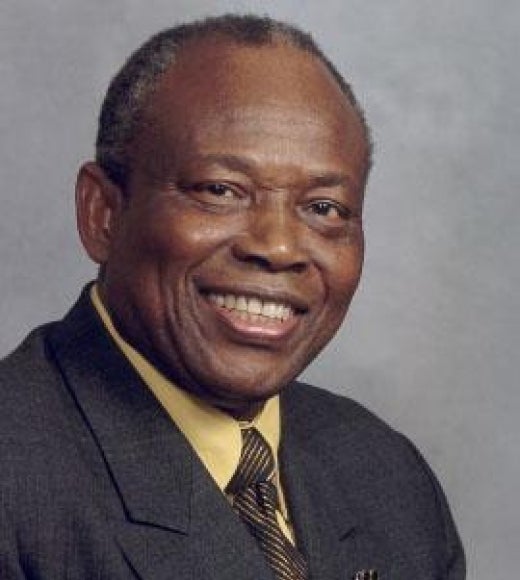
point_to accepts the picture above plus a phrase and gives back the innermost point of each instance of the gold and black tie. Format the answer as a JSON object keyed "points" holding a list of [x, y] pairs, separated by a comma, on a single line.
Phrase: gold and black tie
{"points": [[255, 499]]}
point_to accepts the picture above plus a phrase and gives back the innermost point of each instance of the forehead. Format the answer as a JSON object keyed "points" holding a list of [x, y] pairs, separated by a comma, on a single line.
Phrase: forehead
{"points": [[270, 94]]}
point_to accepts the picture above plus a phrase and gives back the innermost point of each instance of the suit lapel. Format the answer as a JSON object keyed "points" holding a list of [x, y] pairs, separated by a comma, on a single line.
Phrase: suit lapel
{"points": [[216, 545], [174, 518], [330, 532], [323, 535]]}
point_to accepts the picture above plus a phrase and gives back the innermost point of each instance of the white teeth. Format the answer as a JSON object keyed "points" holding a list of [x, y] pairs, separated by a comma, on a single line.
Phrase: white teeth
{"points": [[269, 309], [229, 301], [240, 304], [252, 307]]}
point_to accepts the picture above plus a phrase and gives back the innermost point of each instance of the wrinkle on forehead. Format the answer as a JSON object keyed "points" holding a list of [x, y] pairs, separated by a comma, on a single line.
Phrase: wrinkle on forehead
{"points": [[266, 138], [276, 122]]}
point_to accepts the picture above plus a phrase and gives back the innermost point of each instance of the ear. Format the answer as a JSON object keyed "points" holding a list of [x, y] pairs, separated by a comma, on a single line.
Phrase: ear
{"points": [[99, 203]]}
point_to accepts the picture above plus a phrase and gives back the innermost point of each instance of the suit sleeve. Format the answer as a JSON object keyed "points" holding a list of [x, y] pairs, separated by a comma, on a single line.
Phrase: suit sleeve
{"points": [[10, 566], [455, 564], [456, 561]]}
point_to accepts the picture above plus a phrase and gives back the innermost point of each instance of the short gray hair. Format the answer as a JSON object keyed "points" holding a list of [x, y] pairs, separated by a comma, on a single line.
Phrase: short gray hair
{"points": [[129, 90]]}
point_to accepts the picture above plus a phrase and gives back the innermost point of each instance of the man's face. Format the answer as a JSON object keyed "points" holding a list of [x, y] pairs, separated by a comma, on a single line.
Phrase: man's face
{"points": [[235, 258]]}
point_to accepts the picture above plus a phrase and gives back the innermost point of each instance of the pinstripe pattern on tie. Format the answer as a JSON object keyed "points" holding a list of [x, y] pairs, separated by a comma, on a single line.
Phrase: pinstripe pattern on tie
{"points": [[255, 499]]}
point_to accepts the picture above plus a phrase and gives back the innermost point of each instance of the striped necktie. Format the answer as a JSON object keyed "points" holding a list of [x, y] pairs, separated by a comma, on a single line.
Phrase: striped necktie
{"points": [[255, 499]]}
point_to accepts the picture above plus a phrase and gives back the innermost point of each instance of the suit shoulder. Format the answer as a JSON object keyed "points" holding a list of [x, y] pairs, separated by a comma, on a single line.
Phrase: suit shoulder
{"points": [[330, 423], [378, 470], [32, 392], [27, 365], [330, 409]]}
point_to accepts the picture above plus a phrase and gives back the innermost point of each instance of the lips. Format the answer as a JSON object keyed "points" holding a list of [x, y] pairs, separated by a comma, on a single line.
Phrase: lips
{"points": [[253, 316]]}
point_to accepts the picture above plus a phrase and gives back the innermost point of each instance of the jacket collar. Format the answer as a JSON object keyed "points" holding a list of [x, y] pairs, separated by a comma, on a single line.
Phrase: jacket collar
{"points": [[174, 518], [145, 453]]}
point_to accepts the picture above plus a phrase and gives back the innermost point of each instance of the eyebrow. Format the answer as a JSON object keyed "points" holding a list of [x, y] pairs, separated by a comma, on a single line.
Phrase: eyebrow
{"points": [[242, 165]]}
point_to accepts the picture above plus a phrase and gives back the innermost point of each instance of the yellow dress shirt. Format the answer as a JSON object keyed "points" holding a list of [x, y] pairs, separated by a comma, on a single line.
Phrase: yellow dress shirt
{"points": [[214, 435]]}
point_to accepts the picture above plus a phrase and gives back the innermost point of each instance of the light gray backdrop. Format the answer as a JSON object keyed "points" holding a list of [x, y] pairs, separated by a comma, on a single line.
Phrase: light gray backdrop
{"points": [[432, 340]]}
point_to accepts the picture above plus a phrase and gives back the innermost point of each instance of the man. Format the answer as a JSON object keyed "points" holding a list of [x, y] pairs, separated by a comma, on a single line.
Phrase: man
{"points": [[157, 432]]}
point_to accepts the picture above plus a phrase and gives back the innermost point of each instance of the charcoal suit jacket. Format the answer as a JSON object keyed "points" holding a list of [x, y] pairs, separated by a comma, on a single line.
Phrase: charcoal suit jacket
{"points": [[97, 483]]}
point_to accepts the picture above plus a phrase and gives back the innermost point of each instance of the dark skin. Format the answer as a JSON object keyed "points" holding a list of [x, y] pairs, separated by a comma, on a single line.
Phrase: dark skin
{"points": [[247, 179]]}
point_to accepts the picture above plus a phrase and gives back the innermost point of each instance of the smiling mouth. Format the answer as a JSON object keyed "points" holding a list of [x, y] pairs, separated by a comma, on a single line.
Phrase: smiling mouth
{"points": [[253, 308], [254, 317]]}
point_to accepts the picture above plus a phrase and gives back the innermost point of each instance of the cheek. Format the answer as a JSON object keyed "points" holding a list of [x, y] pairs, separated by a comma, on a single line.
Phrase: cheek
{"points": [[343, 276], [341, 269], [184, 236]]}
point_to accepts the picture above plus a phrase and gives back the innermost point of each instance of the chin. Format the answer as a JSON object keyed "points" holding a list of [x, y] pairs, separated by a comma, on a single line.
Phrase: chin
{"points": [[242, 405], [243, 389], [244, 392]]}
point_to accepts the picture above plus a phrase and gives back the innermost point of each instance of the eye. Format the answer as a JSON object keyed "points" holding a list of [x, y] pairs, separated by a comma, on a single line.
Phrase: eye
{"points": [[215, 195], [217, 189], [330, 217], [328, 209]]}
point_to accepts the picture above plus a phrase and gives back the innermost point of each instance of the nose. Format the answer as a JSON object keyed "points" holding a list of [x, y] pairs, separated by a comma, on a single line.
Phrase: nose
{"points": [[273, 239]]}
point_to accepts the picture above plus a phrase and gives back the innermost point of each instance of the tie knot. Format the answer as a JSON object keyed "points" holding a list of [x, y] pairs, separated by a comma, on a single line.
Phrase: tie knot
{"points": [[256, 462]]}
